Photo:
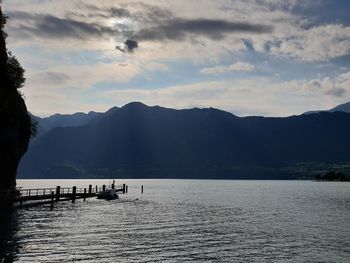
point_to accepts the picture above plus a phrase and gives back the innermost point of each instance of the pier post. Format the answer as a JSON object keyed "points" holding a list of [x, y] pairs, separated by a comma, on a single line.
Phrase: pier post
{"points": [[113, 186], [126, 189], [58, 193], [74, 192], [103, 187], [123, 188], [141, 189], [90, 188], [96, 189], [84, 194], [52, 199]]}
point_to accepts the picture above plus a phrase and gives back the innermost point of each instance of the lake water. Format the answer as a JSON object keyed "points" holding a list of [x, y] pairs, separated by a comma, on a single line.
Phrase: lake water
{"points": [[186, 220]]}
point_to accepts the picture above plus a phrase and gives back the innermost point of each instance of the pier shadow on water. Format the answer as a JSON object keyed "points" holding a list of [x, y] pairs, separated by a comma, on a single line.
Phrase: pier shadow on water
{"points": [[8, 234]]}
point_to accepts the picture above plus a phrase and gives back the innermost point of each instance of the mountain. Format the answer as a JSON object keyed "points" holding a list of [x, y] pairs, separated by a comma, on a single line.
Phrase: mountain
{"points": [[342, 107], [67, 120], [138, 141]]}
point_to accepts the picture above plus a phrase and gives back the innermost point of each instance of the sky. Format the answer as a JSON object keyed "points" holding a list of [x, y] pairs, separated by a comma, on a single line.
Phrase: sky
{"points": [[251, 57]]}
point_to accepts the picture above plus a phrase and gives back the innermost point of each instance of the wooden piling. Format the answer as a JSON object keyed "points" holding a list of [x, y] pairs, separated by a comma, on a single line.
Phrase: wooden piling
{"points": [[103, 187], [113, 186], [141, 189], [74, 192], [52, 199], [90, 188], [58, 193], [124, 188], [84, 194], [96, 189]]}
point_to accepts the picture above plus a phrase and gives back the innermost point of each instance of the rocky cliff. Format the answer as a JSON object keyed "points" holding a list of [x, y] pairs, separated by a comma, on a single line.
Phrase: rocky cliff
{"points": [[15, 123]]}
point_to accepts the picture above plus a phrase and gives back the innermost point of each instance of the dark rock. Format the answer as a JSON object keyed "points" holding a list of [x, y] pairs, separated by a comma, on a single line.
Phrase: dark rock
{"points": [[15, 123]]}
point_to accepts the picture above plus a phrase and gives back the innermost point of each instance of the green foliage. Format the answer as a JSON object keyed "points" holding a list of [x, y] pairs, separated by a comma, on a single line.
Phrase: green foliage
{"points": [[3, 20], [15, 72], [332, 176]]}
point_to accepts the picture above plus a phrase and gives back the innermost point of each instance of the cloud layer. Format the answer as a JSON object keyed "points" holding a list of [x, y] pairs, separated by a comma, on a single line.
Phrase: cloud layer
{"points": [[272, 57], [238, 66]]}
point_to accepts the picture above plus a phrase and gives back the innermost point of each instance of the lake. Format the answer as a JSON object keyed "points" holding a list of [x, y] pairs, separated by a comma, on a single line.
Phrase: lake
{"points": [[186, 220]]}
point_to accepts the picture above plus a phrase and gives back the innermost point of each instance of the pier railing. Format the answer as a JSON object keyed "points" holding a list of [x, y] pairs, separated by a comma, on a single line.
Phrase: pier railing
{"points": [[24, 192], [33, 196]]}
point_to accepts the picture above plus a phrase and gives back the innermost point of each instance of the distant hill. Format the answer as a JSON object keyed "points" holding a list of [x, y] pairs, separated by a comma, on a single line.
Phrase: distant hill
{"points": [[137, 141], [342, 107], [67, 120]]}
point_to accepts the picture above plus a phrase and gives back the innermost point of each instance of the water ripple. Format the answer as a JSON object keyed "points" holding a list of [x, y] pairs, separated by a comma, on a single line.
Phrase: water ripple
{"points": [[230, 221]]}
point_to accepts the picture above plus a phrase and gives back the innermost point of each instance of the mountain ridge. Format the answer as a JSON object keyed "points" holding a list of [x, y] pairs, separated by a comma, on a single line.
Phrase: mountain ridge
{"points": [[345, 107], [138, 141]]}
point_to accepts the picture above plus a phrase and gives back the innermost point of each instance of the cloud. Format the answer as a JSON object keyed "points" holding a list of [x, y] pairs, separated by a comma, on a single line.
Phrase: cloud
{"points": [[156, 66], [128, 46], [338, 86], [50, 78], [26, 25], [173, 34], [338, 92], [274, 27], [105, 13], [179, 28], [70, 78], [318, 43], [236, 96], [155, 25], [254, 96], [239, 66], [342, 86]]}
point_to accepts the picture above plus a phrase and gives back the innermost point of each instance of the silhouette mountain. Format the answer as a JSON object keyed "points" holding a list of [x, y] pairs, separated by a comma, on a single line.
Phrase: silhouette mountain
{"points": [[46, 124], [342, 107], [138, 141]]}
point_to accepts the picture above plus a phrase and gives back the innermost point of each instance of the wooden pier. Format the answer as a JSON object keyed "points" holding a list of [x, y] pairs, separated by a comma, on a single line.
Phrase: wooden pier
{"points": [[38, 196]]}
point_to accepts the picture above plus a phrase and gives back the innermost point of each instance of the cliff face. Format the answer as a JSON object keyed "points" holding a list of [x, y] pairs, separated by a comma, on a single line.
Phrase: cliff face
{"points": [[15, 123]]}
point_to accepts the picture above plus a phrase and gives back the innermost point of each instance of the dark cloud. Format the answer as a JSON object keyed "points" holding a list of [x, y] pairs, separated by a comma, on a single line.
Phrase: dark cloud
{"points": [[128, 46], [338, 92], [248, 44], [156, 25], [58, 27], [49, 26], [119, 12], [92, 11], [131, 44], [149, 14], [51, 78], [179, 29]]}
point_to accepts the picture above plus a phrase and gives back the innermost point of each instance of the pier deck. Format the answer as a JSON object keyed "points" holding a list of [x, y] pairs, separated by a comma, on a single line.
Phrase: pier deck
{"points": [[32, 197]]}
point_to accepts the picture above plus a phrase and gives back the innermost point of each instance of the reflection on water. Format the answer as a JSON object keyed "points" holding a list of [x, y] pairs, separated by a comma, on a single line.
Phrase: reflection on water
{"points": [[8, 234], [190, 220]]}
